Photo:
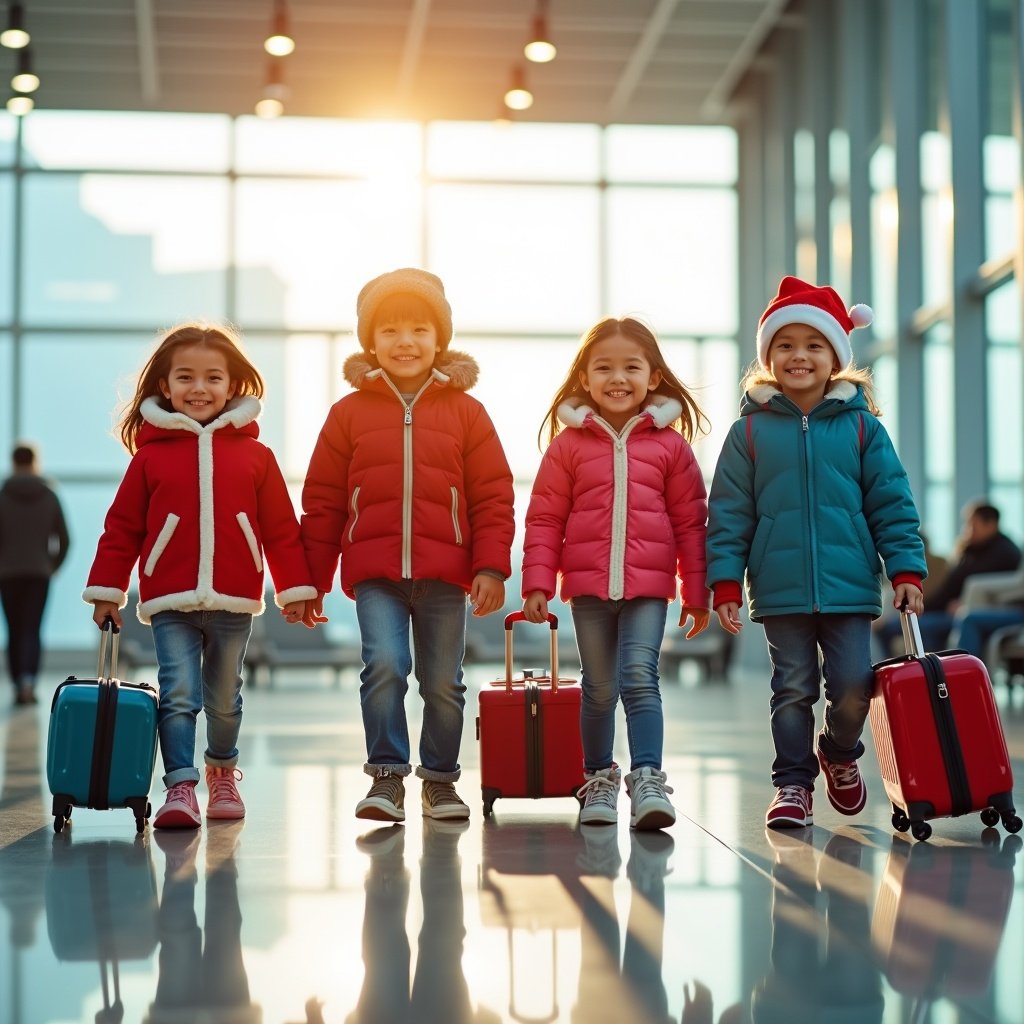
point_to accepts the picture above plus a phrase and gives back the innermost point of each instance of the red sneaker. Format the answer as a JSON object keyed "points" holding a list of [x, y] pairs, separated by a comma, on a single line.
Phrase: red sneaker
{"points": [[225, 802], [844, 784], [791, 808], [180, 809]]}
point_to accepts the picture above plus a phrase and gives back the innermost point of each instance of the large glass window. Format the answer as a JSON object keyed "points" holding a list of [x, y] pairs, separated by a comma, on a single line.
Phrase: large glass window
{"points": [[940, 514], [1005, 406], [6, 247]]}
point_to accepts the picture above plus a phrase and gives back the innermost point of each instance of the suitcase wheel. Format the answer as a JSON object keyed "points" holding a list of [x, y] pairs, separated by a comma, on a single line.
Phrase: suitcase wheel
{"points": [[140, 825], [489, 806], [1012, 823], [989, 817], [59, 819], [900, 821], [921, 830]]}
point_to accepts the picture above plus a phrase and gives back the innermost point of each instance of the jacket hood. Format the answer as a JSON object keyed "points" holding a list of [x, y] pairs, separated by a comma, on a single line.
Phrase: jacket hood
{"points": [[456, 369], [759, 398], [26, 487], [661, 409], [240, 413]]}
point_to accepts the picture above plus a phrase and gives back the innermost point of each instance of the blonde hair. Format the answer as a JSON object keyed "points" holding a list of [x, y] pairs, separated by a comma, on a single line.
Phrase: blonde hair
{"points": [[219, 337], [692, 421], [757, 375]]}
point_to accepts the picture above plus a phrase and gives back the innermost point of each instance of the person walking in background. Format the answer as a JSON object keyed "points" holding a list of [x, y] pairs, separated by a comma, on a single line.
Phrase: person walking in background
{"points": [[807, 495], [408, 484], [201, 503], [33, 545], [619, 512]]}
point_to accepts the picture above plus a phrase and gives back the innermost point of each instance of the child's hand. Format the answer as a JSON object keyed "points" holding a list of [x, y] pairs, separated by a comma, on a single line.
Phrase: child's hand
{"points": [[701, 617], [313, 611], [729, 617], [535, 607], [912, 595], [487, 594], [294, 611], [103, 610]]}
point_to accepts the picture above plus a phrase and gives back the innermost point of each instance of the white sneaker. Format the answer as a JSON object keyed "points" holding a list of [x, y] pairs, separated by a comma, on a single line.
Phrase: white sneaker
{"points": [[600, 794], [650, 807]]}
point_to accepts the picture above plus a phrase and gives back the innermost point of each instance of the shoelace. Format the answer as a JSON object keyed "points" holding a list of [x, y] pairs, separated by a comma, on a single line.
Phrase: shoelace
{"points": [[442, 793], [844, 775], [599, 790], [388, 786], [792, 795], [222, 785], [650, 786], [181, 791]]}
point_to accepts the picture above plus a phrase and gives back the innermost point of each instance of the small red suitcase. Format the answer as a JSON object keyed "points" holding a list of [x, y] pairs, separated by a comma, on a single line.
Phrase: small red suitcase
{"points": [[529, 731], [939, 738]]}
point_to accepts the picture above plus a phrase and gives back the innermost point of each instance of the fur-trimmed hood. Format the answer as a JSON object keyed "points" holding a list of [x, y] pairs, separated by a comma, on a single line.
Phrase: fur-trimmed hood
{"points": [[663, 411], [762, 394], [238, 413], [456, 369]]}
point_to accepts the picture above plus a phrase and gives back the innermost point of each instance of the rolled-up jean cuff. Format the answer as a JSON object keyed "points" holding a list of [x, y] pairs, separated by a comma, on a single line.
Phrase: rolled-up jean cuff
{"points": [[431, 776], [181, 775], [220, 762], [395, 769]]}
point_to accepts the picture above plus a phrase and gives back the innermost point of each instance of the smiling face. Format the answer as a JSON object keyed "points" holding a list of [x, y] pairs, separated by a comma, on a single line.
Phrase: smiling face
{"points": [[198, 383], [618, 377], [405, 350], [802, 361]]}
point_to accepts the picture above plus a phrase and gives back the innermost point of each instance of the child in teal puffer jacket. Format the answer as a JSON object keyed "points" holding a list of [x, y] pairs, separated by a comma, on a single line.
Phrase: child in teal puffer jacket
{"points": [[809, 500]]}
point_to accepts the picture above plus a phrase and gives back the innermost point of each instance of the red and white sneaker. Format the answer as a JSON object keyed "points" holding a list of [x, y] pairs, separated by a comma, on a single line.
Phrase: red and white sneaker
{"points": [[791, 808], [844, 785], [225, 802], [180, 809]]}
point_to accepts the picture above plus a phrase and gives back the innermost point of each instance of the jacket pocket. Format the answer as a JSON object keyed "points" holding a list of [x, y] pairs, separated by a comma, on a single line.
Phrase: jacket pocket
{"points": [[760, 544], [867, 545], [162, 540], [455, 516], [250, 539], [355, 513]]}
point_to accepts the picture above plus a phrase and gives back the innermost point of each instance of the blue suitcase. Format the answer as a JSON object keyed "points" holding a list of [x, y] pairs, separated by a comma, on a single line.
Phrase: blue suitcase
{"points": [[101, 744]]}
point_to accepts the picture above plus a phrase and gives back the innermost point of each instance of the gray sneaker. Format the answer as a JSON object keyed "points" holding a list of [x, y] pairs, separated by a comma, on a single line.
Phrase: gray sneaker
{"points": [[386, 799], [441, 801], [600, 794], [649, 804]]}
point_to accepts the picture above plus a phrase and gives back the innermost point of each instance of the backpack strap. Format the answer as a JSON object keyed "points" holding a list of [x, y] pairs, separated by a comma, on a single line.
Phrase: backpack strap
{"points": [[750, 437], [860, 432]]}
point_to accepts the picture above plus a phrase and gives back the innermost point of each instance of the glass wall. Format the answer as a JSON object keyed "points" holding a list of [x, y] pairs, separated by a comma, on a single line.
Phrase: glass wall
{"points": [[132, 222]]}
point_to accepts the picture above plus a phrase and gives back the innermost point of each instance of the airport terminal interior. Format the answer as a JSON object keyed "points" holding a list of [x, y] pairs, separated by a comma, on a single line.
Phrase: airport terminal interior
{"points": [[671, 159]]}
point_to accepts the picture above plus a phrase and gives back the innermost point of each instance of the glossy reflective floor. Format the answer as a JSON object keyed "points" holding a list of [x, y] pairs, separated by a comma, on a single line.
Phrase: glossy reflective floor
{"points": [[302, 914]]}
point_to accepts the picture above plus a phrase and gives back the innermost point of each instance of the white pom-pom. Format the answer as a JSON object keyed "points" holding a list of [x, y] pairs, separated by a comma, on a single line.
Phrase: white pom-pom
{"points": [[861, 315]]}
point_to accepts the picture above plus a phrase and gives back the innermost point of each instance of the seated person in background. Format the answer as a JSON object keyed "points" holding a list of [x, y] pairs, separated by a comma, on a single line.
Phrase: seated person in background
{"points": [[989, 609], [980, 548]]}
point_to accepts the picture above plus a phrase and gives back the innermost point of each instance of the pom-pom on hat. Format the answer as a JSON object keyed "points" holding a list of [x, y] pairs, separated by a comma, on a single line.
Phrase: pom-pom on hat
{"points": [[798, 302], [407, 281]]}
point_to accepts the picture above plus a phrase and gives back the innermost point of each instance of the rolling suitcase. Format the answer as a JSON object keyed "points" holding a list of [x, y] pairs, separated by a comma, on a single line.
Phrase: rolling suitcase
{"points": [[939, 739], [529, 731], [101, 744]]}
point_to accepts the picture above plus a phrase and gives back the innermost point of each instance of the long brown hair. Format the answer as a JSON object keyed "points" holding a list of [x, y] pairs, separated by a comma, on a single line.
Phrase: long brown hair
{"points": [[219, 337], [692, 422], [860, 376]]}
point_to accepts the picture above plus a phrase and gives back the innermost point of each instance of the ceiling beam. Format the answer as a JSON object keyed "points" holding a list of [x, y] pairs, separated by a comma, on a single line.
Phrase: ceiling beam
{"points": [[640, 57], [145, 34]]}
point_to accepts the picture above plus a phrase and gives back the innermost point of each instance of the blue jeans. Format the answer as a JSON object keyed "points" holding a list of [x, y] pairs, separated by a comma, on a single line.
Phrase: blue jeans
{"points": [[199, 658], [793, 643], [437, 611], [977, 626], [619, 644]]}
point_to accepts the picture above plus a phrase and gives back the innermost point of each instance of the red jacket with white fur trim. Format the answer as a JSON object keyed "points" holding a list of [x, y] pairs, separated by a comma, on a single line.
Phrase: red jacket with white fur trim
{"points": [[618, 515], [408, 491], [197, 508]]}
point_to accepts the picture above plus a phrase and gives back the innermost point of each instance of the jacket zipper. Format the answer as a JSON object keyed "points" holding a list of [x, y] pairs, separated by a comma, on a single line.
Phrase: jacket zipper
{"points": [[809, 477], [620, 487], [455, 515]]}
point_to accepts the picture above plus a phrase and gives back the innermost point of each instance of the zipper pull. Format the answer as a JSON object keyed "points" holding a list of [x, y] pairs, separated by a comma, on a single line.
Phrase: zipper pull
{"points": [[408, 415], [943, 691], [804, 423]]}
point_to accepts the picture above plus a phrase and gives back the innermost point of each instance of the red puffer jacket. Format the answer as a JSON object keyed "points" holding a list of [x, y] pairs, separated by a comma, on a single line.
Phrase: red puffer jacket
{"points": [[198, 506], [618, 515], [408, 491]]}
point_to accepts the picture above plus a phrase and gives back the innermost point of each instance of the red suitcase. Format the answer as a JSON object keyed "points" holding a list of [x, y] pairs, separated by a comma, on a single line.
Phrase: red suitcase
{"points": [[529, 731], [939, 739]]}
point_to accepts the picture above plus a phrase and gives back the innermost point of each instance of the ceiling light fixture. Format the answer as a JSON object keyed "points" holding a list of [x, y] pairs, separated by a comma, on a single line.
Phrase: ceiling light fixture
{"points": [[275, 92], [518, 97], [25, 79], [20, 104], [14, 37], [279, 42], [539, 47]]}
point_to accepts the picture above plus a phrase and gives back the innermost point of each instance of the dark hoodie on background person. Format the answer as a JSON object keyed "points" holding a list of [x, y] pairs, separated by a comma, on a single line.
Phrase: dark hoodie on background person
{"points": [[993, 554], [33, 534]]}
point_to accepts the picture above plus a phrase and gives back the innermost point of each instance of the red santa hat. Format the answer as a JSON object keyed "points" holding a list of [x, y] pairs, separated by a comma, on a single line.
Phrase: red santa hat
{"points": [[798, 302]]}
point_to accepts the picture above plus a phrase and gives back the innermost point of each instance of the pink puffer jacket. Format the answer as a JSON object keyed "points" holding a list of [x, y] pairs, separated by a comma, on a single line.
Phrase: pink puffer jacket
{"points": [[618, 515]]}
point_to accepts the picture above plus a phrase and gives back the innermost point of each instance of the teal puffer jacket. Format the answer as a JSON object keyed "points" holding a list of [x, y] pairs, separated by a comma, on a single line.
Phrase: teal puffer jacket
{"points": [[809, 507]]}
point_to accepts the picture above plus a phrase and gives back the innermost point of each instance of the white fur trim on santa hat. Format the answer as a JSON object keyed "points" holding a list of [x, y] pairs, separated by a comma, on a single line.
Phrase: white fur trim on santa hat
{"points": [[813, 316]]}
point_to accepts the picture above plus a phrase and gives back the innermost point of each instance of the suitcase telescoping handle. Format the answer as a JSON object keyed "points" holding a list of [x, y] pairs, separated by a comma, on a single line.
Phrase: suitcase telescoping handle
{"points": [[911, 632], [108, 631], [520, 617]]}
